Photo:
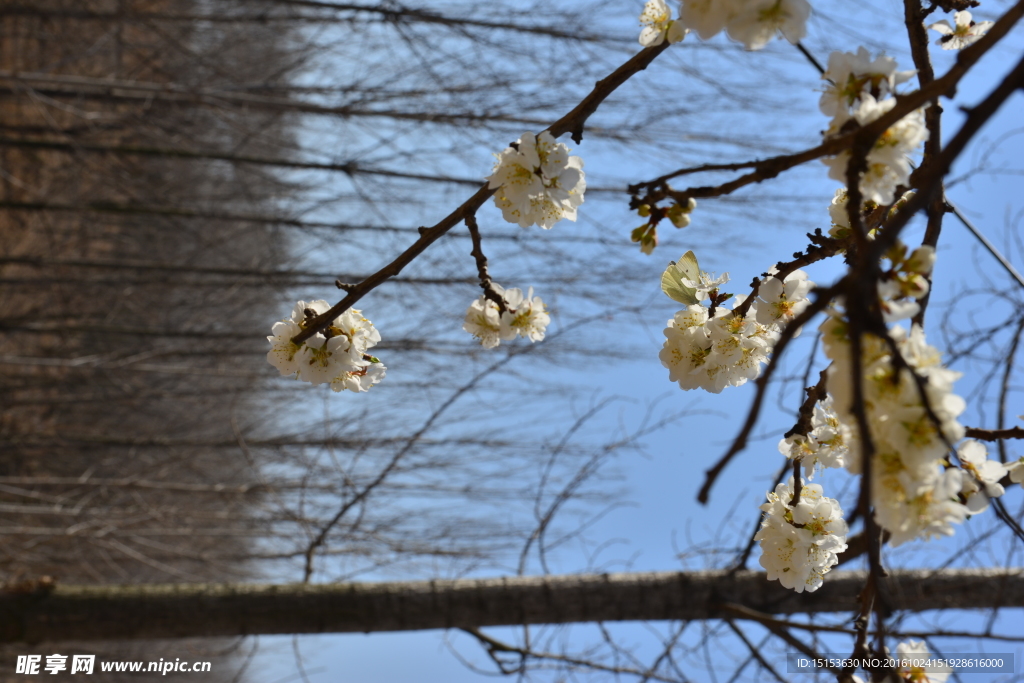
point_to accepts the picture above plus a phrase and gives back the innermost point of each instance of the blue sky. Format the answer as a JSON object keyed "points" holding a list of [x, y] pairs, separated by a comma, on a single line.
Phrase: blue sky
{"points": [[658, 525]]}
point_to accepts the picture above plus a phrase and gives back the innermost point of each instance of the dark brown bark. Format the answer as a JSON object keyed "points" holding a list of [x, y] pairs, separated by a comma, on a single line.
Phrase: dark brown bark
{"points": [[190, 610]]}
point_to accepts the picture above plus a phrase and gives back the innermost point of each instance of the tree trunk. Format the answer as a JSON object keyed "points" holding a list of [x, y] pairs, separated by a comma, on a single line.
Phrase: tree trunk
{"points": [[191, 610]]}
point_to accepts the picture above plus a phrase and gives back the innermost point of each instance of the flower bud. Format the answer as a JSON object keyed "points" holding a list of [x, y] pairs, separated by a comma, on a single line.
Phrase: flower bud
{"points": [[921, 261], [649, 241]]}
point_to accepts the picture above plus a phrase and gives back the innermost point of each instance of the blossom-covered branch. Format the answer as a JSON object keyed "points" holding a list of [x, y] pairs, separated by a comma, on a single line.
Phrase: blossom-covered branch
{"points": [[573, 122], [658, 189]]}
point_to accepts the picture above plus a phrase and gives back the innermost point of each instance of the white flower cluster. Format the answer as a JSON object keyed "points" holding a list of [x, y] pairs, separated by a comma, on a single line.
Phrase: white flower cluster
{"points": [[725, 349], [713, 353], [860, 90], [337, 355], [751, 22], [524, 316], [800, 543], [964, 33], [914, 492], [658, 25], [823, 446], [537, 182]]}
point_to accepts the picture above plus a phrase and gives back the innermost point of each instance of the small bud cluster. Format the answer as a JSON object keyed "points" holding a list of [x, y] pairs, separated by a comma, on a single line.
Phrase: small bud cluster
{"points": [[647, 234], [537, 182], [523, 316], [337, 355], [860, 91], [800, 542]]}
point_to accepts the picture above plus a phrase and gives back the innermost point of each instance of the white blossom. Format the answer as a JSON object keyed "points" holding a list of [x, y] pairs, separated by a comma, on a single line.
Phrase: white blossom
{"points": [[964, 33], [860, 89], [712, 353], [922, 260], [658, 25], [756, 21], [982, 475], [359, 380], [320, 358], [704, 283], [915, 651], [283, 350], [924, 509], [851, 76], [1015, 470], [706, 17], [483, 321], [525, 316], [839, 215], [779, 301], [751, 22], [894, 306], [687, 347], [537, 182]]}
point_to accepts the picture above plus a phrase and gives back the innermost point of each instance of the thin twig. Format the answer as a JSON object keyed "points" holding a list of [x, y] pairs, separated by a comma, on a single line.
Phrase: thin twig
{"points": [[481, 264], [824, 298], [755, 651], [986, 243], [766, 169], [995, 434]]}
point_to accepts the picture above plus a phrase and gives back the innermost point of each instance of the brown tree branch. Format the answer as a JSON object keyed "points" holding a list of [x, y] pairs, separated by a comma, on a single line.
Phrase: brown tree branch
{"points": [[572, 122], [772, 167], [824, 297], [187, 610], [914, 16], [995, 434], [481, 265]]}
